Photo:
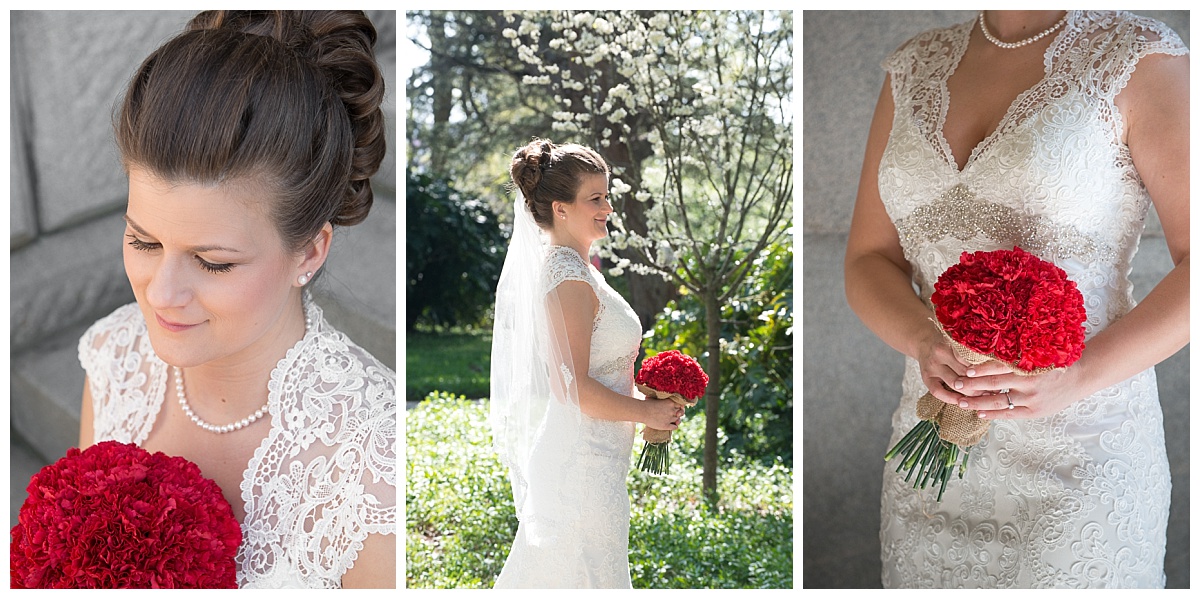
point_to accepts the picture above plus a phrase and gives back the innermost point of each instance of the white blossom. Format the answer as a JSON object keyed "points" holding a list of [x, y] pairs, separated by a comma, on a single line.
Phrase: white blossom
{"points": [[620, 186], [602, 25]]}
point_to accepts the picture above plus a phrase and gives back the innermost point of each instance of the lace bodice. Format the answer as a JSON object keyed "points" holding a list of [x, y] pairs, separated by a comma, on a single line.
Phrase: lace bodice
{"points": [[1079, 498], [322, 479], [1054, 177], [616, 331]]}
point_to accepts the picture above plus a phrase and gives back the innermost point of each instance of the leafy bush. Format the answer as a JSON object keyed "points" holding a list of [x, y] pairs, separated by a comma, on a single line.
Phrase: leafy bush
{"points": [[756, 355], [461, 520], [455, 250]]}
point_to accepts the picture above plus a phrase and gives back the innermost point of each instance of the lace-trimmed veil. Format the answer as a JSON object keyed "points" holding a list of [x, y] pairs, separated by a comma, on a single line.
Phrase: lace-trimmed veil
{"points": [[535, 412]]}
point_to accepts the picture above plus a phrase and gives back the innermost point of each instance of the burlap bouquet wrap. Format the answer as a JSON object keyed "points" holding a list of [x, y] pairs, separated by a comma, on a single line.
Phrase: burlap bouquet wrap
{"points": [[653, 435], [956, 425]]}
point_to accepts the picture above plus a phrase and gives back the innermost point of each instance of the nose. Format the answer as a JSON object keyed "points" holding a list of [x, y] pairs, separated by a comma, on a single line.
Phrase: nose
{"points": [[608, 207], [167, 286]]}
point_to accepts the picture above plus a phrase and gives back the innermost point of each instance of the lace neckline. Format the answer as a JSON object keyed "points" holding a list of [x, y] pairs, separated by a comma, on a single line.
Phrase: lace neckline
{"points": [[1008, 119]]}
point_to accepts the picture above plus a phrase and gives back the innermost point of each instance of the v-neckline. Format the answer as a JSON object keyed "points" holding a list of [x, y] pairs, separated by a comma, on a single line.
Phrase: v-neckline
{"points": [[988, 140]]}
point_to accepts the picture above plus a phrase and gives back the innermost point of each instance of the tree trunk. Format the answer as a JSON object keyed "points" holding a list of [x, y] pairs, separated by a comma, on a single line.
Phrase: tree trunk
{"points": [[443, 90], [712, 395]]}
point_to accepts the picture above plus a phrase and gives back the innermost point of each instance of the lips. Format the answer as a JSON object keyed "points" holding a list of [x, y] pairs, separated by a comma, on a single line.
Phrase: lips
{"points": [[174, 327]]}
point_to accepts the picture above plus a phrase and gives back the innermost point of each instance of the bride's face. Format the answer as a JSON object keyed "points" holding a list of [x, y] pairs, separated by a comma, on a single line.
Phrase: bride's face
{"points": [[586, 218], [207, 266]]}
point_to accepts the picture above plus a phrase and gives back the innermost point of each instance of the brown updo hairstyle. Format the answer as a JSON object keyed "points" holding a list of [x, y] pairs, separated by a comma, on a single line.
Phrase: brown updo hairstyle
{"points": [[546, 173], [288, 99]]}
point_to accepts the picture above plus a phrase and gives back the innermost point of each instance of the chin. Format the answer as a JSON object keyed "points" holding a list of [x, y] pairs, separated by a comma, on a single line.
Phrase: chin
{"points": [[174, 353]]}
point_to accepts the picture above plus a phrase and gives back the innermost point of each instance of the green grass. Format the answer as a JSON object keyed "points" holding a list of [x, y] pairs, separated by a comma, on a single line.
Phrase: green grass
{"points": [[457, 361], [460, 521]]}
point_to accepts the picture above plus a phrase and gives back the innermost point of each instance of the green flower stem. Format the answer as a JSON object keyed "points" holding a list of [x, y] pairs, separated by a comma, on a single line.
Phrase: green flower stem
{"points": [[910, 439]]}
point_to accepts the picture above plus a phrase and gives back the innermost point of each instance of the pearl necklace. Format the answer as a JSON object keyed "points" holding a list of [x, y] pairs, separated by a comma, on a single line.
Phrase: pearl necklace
{"points": [[225, 428], [1024, 42]]}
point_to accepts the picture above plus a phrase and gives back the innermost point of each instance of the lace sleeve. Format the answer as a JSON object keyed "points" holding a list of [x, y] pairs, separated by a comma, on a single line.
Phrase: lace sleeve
{"points": [[920, 66], [123, 376], [1154, 37], [565, 264], [325, 477], [1121, 40]]}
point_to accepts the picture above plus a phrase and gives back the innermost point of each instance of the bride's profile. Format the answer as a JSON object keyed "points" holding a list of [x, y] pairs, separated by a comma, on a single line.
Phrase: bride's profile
{"points": [[563, 400], [247, 139]]}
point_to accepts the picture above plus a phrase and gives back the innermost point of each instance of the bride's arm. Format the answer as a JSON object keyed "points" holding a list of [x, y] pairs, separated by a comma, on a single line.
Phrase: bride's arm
{"points": [[375, 567], [1154, 106], [578, 304], [879, 279]]}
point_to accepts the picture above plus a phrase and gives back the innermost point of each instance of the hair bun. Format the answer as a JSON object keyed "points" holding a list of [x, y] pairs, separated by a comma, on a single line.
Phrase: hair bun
{"points": [[340, 45], [529, 163]]}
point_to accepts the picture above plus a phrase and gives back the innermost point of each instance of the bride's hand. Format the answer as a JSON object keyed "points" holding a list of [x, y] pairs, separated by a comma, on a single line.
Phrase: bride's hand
{"points": [[662, 414], [1032, 396], [940, 368]]}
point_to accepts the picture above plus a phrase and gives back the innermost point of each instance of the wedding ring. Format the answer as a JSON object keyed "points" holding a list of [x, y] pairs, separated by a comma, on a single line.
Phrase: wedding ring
{"points": [[1009, 398]]}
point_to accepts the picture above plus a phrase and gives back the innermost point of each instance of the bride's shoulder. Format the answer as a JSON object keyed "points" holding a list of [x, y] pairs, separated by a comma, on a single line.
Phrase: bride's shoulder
{"points": [[565, 264], [934, 40], [345, 372]]}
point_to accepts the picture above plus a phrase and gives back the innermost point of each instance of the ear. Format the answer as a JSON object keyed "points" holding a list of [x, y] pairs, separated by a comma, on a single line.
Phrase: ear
{"points": [[313, 256], [559, 209]]}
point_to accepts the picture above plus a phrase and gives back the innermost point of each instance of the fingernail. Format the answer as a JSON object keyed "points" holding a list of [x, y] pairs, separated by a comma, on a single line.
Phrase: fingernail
{"points": [[970, 372], [958, 384], [981, 414], [962, 404]]}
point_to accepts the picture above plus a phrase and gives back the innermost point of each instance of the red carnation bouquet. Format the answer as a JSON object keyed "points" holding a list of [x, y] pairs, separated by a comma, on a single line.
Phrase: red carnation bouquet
{"points": [[116, 516], [1005, 305], [672, 376]]}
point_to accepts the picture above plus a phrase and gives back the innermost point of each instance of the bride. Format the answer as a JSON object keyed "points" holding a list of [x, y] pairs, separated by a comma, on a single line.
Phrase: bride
{"points": [[563, 406], [247, 138]]}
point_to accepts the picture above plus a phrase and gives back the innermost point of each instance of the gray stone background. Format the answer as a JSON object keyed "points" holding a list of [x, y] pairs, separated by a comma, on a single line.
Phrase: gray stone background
{"points": [[851, 379], [67, 197]]}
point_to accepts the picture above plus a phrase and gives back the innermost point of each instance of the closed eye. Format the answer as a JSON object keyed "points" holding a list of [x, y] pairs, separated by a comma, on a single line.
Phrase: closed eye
{"points": [[213, 268], [146, 246], [142, 246]]}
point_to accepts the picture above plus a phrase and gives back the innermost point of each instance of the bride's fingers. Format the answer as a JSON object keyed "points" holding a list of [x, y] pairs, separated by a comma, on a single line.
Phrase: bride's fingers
{"points": [[988, 368], [991, 402], [983, 385]]}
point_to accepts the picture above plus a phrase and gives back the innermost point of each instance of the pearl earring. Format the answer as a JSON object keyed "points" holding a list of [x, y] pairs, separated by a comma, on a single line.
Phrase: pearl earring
{"points": [[303, 279]]}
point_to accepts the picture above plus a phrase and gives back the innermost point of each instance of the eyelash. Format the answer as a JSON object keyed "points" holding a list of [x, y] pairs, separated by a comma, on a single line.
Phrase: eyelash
{"points": [[144, 246]]}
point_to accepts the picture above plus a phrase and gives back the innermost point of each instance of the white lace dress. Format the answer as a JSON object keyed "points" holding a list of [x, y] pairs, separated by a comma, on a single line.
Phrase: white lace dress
{"points": [[1078, 499], [591, 549], [322, 479]]}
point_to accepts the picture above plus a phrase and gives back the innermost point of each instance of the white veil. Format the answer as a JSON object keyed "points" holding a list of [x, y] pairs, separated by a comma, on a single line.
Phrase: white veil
{"points": [[535, 412]]}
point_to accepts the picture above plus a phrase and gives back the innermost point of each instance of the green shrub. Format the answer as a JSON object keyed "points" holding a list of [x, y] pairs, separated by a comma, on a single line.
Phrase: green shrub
{"points": [[461, 523], [454, 253]]}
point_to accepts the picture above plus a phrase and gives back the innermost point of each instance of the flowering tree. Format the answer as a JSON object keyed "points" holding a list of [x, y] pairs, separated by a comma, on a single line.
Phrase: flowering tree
{"points": [[693, 111]]}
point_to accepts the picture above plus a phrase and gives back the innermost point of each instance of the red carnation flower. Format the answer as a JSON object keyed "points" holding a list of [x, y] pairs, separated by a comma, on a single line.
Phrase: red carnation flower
{"points": [[117, 516], [673, 372], [1013, 306]]}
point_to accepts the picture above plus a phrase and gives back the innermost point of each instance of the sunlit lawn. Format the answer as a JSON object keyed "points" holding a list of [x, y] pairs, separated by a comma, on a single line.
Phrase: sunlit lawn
{"points": [[457, 361], [460, 519]]}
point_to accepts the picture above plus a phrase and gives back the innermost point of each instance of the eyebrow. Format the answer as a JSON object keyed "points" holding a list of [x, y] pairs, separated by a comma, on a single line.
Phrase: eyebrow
{"points": [[196, 249]]}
